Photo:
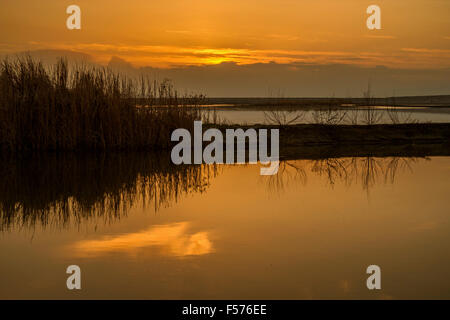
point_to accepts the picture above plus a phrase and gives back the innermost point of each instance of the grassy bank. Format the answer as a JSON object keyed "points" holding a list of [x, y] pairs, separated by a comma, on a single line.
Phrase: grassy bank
{"points": [[57, 108]]}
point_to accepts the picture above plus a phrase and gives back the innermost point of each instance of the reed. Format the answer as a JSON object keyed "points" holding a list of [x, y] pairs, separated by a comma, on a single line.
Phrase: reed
{"points": [[62, 108]]}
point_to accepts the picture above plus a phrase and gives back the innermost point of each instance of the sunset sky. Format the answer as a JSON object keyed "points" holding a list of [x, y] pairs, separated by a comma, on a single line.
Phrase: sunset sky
{"points": [[180, 34]]}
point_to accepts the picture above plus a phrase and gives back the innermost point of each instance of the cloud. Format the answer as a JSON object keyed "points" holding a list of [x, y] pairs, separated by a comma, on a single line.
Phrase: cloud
{"points": [[304, 80], [295, 79], [174, 56], [380, 37], [50, 56], [426, 50], [179, 31], [121, 65]]}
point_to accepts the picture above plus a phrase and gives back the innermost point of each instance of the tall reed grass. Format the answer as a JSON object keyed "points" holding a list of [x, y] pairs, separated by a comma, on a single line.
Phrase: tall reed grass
{"points": [[62, 108]]}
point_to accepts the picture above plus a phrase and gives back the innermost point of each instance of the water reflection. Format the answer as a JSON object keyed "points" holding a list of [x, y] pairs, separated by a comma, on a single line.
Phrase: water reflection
{"points": [[172, 240], [366, 171], [314, 240], [60, 190], [63, 190]]}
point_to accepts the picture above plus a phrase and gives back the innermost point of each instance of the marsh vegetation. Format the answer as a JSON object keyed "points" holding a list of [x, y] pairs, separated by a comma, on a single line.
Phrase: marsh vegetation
{"points": [[62, 108]]}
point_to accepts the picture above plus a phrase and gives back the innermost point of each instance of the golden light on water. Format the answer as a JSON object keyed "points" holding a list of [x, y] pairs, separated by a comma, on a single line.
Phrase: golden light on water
{"points": [[171, 239]]}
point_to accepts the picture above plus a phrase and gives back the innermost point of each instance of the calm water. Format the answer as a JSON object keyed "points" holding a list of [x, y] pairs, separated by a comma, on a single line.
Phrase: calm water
{"points": [[422, 115], [139, 228]]}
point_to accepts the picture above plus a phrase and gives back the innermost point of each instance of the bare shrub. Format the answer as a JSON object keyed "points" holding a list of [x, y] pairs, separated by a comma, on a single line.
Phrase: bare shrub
{"points": [[328, 116], [397, 116], [283, 117], [371, 115]]}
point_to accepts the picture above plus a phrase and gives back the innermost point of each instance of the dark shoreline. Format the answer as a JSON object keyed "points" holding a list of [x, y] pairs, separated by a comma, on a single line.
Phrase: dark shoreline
{"points": [[405, 101], [357, 151], [308, 141], [313, 141]]}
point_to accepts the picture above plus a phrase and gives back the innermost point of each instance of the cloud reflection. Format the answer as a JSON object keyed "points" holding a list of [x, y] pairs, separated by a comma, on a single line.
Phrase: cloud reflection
{"points": [[172, 239]]}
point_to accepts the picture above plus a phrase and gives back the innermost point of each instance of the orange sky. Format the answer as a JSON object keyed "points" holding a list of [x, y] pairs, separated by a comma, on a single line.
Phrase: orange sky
{"points": [[415, 33]]}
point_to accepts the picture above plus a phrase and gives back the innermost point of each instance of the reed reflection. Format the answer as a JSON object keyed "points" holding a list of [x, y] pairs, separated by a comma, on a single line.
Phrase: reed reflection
{"points": [[366, 171], [62, 190]]}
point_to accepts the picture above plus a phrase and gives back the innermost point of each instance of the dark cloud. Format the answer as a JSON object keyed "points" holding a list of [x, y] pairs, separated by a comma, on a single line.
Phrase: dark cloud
{"points": [[51, 56], [295, 80], [301, 80]]}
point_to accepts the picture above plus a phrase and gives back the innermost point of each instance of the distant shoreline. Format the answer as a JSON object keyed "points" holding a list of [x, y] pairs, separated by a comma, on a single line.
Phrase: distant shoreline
{"points": [[406, 101]]}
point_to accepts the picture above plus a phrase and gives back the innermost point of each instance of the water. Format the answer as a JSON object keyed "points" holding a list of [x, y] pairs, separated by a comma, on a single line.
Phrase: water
{"points": [[422, 115], [140, 228]]}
